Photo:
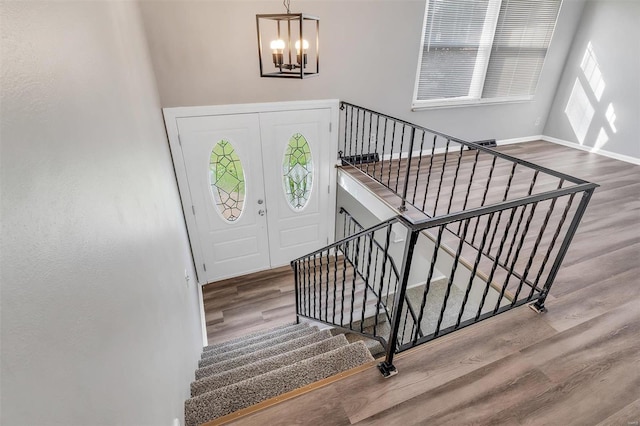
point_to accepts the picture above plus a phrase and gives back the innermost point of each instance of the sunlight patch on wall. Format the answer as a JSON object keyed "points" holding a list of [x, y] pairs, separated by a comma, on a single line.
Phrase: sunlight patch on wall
{"points": [[611, 117], [603, 138], [592, 72], [579, 111]]}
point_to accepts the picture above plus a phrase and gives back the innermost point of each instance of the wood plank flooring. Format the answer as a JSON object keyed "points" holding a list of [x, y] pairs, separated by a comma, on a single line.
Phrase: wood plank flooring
{"points": [[242, 305], [577, 364]]}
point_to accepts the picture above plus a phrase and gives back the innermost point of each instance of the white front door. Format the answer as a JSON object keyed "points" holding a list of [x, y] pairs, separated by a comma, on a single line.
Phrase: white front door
{"points": [[259, 188], [223, 162], [297, 167]]}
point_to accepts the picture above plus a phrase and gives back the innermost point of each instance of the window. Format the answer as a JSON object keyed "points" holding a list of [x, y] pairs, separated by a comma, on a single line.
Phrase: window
{"points": [[479, 51], [227, 180], [297, 172]]}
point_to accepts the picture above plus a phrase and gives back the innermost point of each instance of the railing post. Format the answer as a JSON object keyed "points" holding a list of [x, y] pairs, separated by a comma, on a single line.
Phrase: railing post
{"points": [[539, 304], [403, 205], [386, 367], [294, 265]]}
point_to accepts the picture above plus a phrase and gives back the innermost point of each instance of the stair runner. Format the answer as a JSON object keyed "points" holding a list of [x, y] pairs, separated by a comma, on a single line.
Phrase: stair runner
{"points": [[245, 371]]}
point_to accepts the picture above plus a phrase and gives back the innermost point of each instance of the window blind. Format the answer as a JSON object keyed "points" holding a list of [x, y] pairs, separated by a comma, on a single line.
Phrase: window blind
{"points": [[483, 49], [451, 44]]}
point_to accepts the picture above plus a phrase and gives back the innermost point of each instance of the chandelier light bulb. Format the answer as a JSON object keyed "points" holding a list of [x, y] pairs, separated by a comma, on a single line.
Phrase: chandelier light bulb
{"points": [[305, 45], [277, 46]]}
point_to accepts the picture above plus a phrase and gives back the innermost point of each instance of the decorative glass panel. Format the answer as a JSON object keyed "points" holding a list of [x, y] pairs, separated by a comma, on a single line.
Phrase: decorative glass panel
{"points": [[297, 169], [227, 180]]}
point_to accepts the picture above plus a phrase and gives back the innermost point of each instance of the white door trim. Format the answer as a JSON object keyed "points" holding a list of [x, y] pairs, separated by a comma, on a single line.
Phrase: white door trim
{"points": [[171, 116]]}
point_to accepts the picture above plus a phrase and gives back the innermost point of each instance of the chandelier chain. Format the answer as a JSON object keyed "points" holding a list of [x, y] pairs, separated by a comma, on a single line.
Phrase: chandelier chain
{"points": [[286, 4]]}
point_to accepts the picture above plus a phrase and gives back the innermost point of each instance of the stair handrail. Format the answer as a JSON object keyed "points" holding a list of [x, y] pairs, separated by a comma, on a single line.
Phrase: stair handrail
{"points": [[487, 209]]}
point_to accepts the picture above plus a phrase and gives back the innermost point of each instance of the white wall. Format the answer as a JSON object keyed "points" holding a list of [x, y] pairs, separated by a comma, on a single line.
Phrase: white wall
{"points": [[613, 28], [98, 325], [205, 52]]}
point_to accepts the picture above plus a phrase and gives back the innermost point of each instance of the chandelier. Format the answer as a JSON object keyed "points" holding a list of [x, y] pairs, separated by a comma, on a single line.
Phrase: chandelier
{"points": [[292, 39]]}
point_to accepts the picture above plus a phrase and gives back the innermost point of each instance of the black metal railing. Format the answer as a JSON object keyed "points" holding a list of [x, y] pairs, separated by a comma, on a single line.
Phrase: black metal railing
{"points": [[493, 240], [347, 284], [414, 162]]}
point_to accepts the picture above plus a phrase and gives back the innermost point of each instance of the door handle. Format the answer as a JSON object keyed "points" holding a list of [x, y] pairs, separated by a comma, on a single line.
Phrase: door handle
{"points": [[261, 212]]}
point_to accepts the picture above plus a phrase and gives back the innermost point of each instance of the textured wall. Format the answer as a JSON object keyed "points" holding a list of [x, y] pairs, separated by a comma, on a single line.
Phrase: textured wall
{"points": [[204, 52], [98, 326], [612, 27]]}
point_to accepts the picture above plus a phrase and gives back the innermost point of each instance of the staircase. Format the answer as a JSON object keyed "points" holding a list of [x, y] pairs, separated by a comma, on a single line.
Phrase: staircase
{"points": [[245, 371]]}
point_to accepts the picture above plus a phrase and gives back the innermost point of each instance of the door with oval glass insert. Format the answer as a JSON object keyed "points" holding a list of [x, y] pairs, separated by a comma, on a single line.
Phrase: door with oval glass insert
{"points": [[259, 186], [297, 166], [223, 162]]}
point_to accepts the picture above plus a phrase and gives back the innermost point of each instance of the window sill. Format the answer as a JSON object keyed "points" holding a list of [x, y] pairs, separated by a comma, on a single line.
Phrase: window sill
{"points": [[458, 103]]}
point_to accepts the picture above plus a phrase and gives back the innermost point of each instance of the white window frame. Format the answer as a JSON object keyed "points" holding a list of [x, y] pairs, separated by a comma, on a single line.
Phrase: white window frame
{"points": [[480, 69]]}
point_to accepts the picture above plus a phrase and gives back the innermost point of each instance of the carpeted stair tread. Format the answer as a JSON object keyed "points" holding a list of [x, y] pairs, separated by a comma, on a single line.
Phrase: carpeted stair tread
{"points": [[278, 337], [375, 347], [252, 338], [433, 305], [262, 354], [229, 377], [243, 350], [223, 401]]}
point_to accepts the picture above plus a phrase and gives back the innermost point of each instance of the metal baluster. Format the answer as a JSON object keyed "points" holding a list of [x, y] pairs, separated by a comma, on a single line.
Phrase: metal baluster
{"points": [[415, 188], [466, 198], [432, 268], [393, 142], [515, 258], [376, 151], [326, 294], [355, 275], [553, 241], [301, 284], [350, 134], [344, 283], [369, 146], [308, 275], [586, 196], [404, 323], [382, 275], [384, 143], [400, 160], [504, 198], [364, 117], [315, 289], [523, 279], [475, 268], [426, 188], [454, 267], [364, 303], [403, 206], [535, 247], [455, 178], [335, 282], [379, 292], [495, 263], [533, 182], [513, 169], [444, 164]]}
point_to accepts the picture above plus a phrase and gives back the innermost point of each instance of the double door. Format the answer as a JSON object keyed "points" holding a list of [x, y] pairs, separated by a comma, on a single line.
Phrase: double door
{"points": [[259, 188]]}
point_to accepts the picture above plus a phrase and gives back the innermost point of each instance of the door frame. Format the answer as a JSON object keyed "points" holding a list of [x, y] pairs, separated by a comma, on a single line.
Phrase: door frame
{"points": [[171, 116]]}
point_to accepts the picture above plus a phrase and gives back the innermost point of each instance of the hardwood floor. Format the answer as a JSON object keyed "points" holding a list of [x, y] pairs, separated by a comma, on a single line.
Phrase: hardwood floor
{"points": [[577, 364], [242, 305]]}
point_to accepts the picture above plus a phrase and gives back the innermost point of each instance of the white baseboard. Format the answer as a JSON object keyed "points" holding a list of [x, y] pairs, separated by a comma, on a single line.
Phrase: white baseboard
{"points": [[520, 140], [203, 320], [614, 155]]}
